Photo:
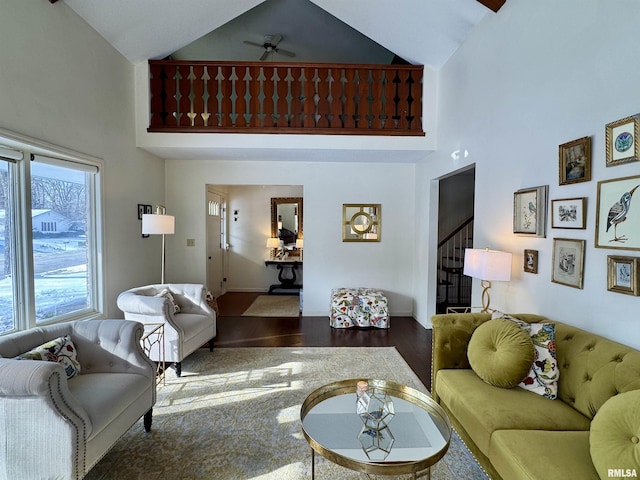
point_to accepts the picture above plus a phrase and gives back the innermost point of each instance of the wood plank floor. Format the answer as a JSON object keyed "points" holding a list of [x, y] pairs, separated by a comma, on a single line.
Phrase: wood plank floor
{"points": [[410, 338]]}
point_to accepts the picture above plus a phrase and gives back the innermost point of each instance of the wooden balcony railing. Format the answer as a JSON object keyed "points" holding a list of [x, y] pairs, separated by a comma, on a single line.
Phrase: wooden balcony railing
{"points": [[302, 98]]}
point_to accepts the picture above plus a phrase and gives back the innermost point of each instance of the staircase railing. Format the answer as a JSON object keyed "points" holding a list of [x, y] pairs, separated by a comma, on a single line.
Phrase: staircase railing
{"points": [[454, 288], [302, 98]]}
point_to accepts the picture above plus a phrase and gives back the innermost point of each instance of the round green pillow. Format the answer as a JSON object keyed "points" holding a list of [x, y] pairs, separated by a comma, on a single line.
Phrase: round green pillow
{"points": [[614, 437], [501, 353]]}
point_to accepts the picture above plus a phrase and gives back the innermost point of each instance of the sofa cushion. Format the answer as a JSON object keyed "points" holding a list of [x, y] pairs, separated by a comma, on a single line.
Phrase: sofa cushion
{"points": [[166, 293], [544, 374], [483, 408], [501, 353], [61, 350], [615, 434], [541, 454]]}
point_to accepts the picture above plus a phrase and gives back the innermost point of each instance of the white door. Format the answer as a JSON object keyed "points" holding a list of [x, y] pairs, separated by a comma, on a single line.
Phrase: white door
{"points": [[216, 242]]}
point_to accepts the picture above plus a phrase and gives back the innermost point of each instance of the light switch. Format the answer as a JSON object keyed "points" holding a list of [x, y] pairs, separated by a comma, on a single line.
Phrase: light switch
{"points": [[191, 242]]}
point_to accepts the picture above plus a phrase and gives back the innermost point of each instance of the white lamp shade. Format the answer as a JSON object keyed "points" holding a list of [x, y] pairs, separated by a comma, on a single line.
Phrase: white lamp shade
{"points": [[154, 224], [299, 243], [487, 264], [273, 242]]}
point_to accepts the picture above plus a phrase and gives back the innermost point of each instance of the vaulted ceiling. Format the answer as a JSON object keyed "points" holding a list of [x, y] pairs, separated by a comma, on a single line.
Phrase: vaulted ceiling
{"points": [[424, 32]]}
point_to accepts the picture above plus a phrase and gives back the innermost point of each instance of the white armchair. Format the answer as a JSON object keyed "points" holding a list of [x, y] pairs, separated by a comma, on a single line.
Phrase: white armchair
{"points": [[52, 426], [185, 330]]}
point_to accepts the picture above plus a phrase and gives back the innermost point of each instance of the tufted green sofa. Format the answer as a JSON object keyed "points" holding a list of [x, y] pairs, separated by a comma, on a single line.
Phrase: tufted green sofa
{"points": [[516, 434]]}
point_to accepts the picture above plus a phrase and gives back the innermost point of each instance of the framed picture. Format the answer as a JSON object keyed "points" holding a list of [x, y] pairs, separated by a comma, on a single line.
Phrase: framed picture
{"points": [[530, 211], [531, 261], [621, 139], [575, 161], [622, 275], [569, 213], [618, 214], [568, 262], [140, 210], [145, 210]]}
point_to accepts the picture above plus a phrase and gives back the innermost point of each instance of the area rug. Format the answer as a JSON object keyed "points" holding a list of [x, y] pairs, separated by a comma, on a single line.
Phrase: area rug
{"points": [[274, 306], [235, 414]]}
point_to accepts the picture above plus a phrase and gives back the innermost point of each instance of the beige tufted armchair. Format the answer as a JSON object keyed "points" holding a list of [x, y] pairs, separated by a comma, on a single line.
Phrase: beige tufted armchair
{"points": [[52, 426], [186, 328]]}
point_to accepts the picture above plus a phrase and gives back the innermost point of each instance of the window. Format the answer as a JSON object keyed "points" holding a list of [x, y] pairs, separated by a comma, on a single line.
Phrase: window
{"points": [[50, 257]]}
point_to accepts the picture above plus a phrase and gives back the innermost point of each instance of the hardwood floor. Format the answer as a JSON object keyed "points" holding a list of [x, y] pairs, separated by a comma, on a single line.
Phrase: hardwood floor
{"points": [[410, 338]]}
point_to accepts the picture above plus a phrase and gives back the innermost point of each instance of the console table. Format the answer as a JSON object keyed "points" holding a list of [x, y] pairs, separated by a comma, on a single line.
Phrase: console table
{"points": [[287, 284]]}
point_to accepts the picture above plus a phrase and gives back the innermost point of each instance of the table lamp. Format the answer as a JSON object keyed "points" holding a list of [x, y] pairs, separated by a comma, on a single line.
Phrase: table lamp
{"points": [[272, 244], [487, 265]]}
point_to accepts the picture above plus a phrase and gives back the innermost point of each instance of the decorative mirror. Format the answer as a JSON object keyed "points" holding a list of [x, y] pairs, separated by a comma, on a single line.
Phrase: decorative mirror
{"points": [[361, 222], [286, 222]]}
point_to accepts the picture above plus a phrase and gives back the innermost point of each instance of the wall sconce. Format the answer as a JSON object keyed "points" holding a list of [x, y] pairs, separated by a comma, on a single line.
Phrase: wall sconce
{"points": [[487, 265], [272, 245], [456, 154]]}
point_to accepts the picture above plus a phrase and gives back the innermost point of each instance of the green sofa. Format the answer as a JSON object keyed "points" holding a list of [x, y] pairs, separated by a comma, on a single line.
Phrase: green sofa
{"points": [[516, 434]]}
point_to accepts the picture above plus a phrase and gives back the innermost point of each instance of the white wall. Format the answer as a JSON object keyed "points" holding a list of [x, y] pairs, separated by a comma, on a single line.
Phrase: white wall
{"points": [[328, 262], [63, 84], [534, 76]]}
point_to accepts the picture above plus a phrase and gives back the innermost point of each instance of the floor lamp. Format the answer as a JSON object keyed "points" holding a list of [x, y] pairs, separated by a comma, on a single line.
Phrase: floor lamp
{"points": [[487, 265], [158, 224]]}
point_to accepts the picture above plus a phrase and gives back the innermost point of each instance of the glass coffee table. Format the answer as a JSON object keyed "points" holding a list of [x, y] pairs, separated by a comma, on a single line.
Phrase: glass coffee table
{"points": [[413, 434]]}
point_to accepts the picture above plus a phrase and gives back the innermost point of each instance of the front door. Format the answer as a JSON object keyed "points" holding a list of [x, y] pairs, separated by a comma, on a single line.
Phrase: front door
{"points": [[215, 243]]}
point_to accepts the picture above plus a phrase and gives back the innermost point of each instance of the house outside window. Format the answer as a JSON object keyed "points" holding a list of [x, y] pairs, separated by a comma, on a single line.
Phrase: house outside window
{"points": [[50, 257]]}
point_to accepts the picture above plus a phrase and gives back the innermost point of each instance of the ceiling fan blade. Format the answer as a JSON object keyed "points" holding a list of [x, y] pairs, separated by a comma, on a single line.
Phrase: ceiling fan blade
{"points": [[254, 44], [285, 52], [265, 55], [276, 39]]}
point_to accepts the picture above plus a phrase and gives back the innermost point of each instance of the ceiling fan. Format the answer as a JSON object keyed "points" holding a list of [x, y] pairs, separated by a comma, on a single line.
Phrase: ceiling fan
{"points": [[270, 46]]}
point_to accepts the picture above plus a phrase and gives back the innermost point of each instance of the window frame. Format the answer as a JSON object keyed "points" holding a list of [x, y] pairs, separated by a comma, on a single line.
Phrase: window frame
{"points": [[22, 235]]}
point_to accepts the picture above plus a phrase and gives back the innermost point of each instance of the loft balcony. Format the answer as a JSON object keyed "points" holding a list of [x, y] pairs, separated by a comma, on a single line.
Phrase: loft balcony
{"points": [[285, 98]]}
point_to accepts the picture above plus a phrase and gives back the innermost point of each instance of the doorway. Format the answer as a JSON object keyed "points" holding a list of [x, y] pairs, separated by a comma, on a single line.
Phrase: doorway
{"points": [[455, 233]]}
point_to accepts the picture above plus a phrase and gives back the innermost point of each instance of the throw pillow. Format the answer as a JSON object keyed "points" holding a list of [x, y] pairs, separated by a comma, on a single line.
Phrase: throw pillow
{"points": [[61, 350], [500, 353], [166, 293], [544, 374], [614, 436]]}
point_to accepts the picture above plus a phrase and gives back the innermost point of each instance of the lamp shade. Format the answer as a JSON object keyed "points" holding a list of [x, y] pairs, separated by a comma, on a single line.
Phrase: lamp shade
{"points": [[299, 243], [155, 224], [487, 264], [273, 242]]}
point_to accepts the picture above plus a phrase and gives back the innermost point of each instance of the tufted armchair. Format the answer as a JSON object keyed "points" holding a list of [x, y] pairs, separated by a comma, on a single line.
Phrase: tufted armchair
{"points": [[188, 321], [52, 426]]}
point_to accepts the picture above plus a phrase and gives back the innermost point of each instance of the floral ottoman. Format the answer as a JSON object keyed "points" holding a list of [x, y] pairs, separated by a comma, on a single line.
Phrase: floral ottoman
{"points": [[358, 307]]}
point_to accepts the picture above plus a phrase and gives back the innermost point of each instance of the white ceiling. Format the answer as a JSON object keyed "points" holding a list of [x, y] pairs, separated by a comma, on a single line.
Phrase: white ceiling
{"points": [[423, 32]]}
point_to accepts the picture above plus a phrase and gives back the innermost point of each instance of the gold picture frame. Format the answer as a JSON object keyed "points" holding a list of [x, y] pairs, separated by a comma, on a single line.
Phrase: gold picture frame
{"points": [[530, 211], [531, 261], [575, 161], [622, 275], [568, 262], [361, 222], [621, 139]]}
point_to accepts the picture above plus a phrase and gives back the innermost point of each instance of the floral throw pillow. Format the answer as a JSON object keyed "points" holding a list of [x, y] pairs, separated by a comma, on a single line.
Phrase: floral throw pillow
{"points": [[168, 295], [60, 350], [544, 374]]}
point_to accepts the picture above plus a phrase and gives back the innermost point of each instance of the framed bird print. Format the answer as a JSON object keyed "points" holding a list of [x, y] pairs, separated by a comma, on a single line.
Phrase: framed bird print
{"points": [[569, 213], [622, 275], [530, 211], [621, 138], [618, 214]]}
